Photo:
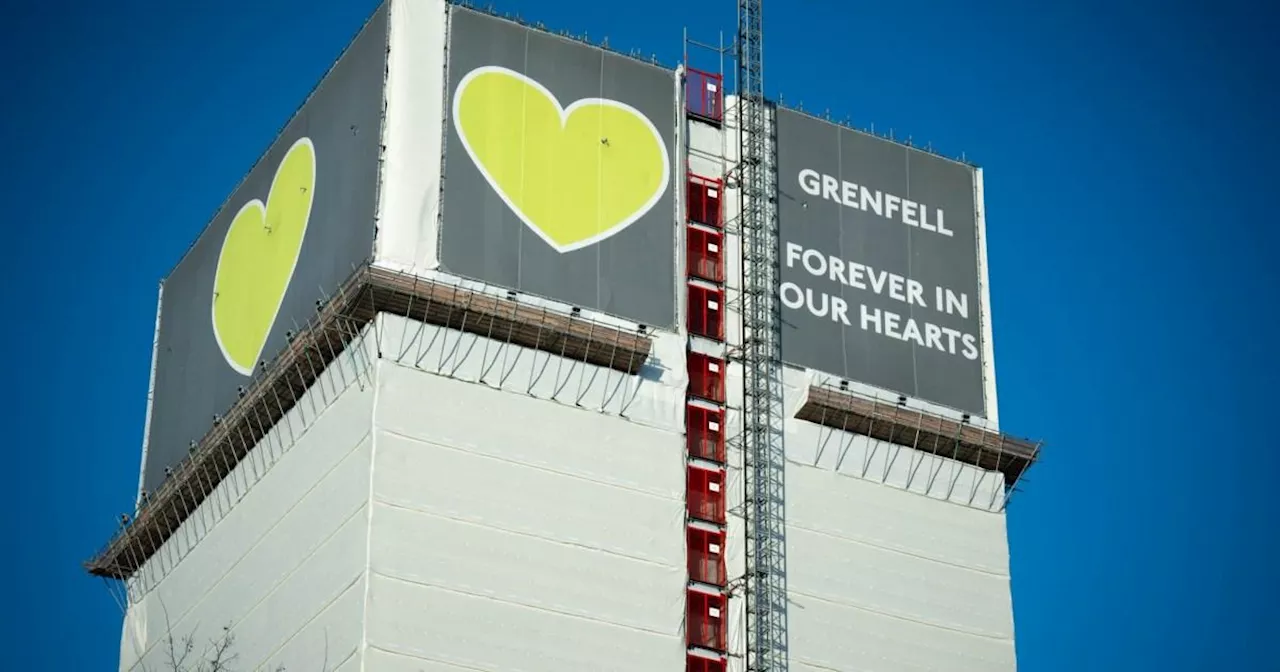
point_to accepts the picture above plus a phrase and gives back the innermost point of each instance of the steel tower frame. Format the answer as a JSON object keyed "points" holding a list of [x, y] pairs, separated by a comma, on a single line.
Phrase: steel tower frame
{"points": [[762, 412]]}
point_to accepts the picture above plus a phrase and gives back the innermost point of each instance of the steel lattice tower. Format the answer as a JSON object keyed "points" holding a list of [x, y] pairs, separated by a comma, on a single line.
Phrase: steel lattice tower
{"points": [[766, 596]]}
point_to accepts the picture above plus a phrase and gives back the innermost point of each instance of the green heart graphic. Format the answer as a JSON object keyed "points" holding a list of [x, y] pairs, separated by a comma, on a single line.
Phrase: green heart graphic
{"points": [[574, 175], [258, 257]]}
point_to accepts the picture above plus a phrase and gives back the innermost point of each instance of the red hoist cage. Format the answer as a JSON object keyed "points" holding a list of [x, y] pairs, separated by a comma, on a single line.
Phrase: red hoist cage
{"points": [[704, 431], [696, 663], [706, 377], [706, 618], [706, 312], [704, 95], [705, 495], [704, 196], [706, 556], [706, 601], [705, 252]]}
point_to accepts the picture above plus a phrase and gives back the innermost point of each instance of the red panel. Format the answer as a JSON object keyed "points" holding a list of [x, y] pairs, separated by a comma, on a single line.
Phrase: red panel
{"points": [[704, 94], [704, 432], [706, 312], [706, 377], [706, 620], [704, 200], [699, 664], [705, 494], [705, 254], [706, 556]]}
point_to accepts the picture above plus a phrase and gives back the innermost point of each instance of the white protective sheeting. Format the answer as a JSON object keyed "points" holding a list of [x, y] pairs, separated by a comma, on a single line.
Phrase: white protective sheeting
{"points": [[706, 150], [413, 135], [984, 276], [885, 579], [276, 554], [513, 533], [385, 661], [654, 397], [151, 394], [850, 508], [827, 636]]}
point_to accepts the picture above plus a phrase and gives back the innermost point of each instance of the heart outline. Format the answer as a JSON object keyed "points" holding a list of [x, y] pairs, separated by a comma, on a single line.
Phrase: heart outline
{"points": [[565, 112], [302, 237]]}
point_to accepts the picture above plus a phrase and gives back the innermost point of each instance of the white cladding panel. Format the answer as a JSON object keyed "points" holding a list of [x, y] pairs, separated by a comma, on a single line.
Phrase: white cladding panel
{"points": [[885, 579], [413, 136], [277, 552], [850, 508], [654, 397], [517, 533], [879, 577], [828, 636]]}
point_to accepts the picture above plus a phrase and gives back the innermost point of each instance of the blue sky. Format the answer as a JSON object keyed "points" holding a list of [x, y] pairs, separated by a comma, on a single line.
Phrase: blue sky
{"points": [[1130, 186]]}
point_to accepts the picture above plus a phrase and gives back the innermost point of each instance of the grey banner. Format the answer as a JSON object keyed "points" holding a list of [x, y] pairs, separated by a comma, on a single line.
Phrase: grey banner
{"points": [[549, 191], [879, 263], [303, 221]]}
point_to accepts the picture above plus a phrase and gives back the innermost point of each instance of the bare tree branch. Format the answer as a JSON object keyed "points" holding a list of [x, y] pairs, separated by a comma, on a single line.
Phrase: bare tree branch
{"points": [[222, 656], [177, 661], [219, 655]]}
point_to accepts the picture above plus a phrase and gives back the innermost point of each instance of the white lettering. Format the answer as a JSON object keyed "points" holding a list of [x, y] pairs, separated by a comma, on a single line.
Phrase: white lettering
{"points": [[891, 204], [942, 229], [970, 347], [874, 199], [915, 290], [820, 309], [932, 336], [840, 310], [891, 325], [952, 335], [896, 283], [924, 220], [809, 180], [793, 253], [877, 280], [907, 328], [849, 195], [910, 213], [958, 304], [883, 204], [837, 270], [791, 295], [856, 271], [884, 283], [830, 187], [911, 332], [815, 262], [873, 316]]}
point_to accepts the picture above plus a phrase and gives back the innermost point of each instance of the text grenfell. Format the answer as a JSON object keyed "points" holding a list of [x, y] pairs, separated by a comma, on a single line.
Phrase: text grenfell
{"points": [[883, 204]]}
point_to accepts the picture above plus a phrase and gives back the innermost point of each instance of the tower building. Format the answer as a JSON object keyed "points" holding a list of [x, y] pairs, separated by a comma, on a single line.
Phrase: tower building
{"points": [[472, 372]]}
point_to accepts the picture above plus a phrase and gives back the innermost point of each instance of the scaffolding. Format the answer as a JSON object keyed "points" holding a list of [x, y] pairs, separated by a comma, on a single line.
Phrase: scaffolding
{"points": [[338, 324], [839, 408], [762, 413]]}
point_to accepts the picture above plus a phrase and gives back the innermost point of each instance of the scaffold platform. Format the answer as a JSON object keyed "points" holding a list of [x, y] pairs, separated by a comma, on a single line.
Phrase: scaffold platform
{"points": [[279, 384]]}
